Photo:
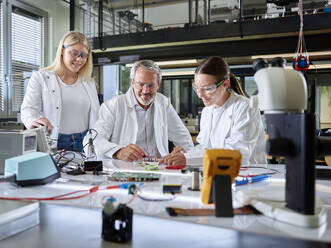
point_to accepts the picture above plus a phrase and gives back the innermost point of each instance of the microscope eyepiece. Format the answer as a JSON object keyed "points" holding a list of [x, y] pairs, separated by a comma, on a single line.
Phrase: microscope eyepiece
{"points": [[259, 64], [278, 62]]}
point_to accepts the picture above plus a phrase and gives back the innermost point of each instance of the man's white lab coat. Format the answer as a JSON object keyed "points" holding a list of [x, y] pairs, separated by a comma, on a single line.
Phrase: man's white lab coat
{"points": [[239, 127], [117, 125], [43, 99]]}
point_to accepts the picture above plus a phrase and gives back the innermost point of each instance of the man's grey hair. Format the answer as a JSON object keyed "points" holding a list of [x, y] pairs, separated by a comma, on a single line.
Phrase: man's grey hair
{"points": [[148, 65]]}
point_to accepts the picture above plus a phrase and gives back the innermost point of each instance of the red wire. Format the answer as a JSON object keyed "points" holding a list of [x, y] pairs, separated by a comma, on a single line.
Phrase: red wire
{"points": [[254, 175], [301, 31], [61, 197]]}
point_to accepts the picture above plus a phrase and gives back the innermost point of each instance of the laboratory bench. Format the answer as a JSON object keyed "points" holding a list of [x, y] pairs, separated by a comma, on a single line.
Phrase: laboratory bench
{"points": [[77, 223]]}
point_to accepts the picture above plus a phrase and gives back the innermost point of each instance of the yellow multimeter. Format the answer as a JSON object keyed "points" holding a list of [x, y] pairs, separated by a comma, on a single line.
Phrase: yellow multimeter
{"points": [[218, 162]]}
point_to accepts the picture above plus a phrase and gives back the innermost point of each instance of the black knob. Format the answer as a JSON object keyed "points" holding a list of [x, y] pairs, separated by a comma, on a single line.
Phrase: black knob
{"points": [[259, 64], [278, 62]]}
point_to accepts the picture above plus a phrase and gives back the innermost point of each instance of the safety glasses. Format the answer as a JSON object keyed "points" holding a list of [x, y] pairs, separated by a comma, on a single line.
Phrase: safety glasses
{"points": [[209, 89], [76, 54]]}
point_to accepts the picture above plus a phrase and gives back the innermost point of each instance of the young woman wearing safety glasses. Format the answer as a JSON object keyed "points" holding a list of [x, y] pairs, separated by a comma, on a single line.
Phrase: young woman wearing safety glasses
{"points": [[227, 121], [63, 96]]}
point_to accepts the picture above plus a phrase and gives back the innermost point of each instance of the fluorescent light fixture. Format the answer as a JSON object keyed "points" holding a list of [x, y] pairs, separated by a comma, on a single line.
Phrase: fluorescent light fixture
{"points": [[172, 62], [177, 62], [290, 55], [177, 73]]}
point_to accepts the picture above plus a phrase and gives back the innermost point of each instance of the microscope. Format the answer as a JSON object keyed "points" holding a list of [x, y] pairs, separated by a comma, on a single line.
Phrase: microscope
{"points": [[282, 96]]}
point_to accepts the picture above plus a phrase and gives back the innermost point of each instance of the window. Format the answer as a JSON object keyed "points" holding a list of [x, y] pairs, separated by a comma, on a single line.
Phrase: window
{"points": [[2, 76], [22, 50], [182, 96], [250, 86]]}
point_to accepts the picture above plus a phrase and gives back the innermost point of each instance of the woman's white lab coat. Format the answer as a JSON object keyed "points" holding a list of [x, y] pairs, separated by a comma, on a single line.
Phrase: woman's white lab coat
{"points": [[43, 99], [239, 127], [117, 125]]}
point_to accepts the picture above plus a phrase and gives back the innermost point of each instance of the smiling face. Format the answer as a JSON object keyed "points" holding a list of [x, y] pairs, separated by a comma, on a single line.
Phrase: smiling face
{"points": [[145, 85], [74, 57], [206, 89]]}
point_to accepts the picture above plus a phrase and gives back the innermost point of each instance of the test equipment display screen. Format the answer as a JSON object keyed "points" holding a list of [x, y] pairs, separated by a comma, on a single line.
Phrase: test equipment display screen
{"points": [[30, 143]]}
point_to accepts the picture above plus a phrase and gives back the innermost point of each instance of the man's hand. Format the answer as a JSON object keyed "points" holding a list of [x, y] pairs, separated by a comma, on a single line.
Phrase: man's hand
{"points": [[129, 153], [176, 158], [42, 121], [178, 149]]}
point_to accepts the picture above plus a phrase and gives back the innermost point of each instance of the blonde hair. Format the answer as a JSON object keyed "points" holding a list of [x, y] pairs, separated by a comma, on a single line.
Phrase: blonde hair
{"points": [[69, 39]]}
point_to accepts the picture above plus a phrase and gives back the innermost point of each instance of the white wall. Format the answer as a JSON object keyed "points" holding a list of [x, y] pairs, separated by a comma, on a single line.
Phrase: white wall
{"points": [[171, 14], [326, 107]]}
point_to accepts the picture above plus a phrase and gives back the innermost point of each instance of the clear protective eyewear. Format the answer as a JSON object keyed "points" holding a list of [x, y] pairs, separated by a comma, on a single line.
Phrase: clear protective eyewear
{"points": [[209, 89], [76, 54], [141, 85]]}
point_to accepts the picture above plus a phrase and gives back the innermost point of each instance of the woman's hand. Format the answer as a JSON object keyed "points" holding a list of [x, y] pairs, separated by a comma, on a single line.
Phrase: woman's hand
{"points": [[177, 158], [42, 121]]}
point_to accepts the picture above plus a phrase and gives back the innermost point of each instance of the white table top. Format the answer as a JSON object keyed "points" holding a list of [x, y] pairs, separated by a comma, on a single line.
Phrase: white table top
{"points": [[188, 199]]}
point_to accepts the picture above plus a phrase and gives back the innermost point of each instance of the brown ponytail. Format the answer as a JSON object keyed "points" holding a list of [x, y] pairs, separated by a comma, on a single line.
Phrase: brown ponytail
{"points": [[218, 68], [235, 85]]}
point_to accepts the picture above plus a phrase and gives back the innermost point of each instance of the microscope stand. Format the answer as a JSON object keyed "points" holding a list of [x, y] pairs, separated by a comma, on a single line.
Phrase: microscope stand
{"points": [[271, 203]]}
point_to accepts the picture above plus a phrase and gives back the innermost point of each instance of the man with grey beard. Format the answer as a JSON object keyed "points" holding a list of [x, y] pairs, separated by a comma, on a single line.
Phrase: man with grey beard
{"points": [[141, 122]]}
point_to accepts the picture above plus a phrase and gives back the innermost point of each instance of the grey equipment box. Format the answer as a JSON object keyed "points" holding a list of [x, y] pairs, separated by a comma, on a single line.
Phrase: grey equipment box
{"points": [[15, 143]]}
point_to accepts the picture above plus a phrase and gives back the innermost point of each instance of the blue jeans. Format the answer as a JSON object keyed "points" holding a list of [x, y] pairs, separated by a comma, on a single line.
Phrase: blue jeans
{"points": [[71, 142]]}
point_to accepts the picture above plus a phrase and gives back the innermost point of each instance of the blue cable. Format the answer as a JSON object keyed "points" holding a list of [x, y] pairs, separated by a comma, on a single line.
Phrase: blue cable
{"points": [[254, 179]]}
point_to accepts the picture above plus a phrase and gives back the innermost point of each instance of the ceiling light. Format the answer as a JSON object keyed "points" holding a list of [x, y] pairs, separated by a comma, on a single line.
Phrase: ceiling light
{"points": [[177, 73], [172, 62], [177, 62]]}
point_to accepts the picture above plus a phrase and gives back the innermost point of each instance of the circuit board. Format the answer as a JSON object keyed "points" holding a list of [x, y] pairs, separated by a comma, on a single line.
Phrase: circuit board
{"points": [[134, 177], [148, 166]]}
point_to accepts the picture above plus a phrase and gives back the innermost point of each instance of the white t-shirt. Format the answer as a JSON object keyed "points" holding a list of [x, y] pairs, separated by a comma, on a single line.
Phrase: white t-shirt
{"points": [[75, 107]]}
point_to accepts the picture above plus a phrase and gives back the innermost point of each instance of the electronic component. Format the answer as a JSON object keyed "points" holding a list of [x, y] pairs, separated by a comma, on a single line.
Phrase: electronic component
{"points": [[90, 148], [134, 176], [283, 96], [195, 180], [149, 166], [15, 143], [43, 139], [218, 162], [92, 165], [244, 210], [9, 125], [117, 223], [172, 188], [32, 169]]}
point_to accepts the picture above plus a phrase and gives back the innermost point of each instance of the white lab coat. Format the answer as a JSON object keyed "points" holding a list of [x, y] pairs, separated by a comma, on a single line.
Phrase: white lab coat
{"points": [[239, 127], [117, 125], [43, 99]]}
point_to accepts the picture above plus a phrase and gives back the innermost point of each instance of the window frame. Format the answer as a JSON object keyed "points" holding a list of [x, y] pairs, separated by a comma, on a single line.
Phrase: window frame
{"points": [[8, 7]]}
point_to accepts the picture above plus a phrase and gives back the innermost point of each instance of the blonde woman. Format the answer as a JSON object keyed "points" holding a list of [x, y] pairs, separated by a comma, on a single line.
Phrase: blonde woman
{"points": [[63, 96]]}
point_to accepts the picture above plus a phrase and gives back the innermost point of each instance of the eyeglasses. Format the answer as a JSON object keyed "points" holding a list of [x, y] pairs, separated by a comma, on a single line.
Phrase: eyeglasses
{"points": [[208, 89], [76, 54], [141, 85]]}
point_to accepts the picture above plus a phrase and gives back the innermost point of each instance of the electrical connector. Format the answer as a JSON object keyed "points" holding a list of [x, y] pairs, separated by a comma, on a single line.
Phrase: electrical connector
{"points": [[132, 189]]}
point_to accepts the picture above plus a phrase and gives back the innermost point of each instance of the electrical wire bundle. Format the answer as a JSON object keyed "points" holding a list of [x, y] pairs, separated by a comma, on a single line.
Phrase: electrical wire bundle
{"points": [[301, 60], [136, 192], [66, 161]]}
